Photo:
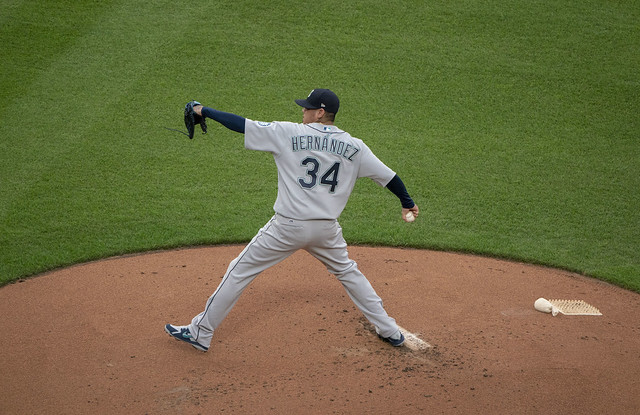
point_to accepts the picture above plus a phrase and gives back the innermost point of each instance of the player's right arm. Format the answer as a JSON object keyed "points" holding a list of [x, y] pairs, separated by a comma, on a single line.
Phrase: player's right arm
{"points": [[376, 170], [397, 187]]}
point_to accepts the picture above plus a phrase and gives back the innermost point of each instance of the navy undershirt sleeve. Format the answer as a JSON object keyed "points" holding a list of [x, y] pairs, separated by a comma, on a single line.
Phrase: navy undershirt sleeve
{"points": [[231, 121], [397, 188]]}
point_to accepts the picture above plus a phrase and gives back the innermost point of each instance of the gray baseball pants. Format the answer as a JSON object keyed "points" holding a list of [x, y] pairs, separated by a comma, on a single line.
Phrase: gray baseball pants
{"points": [[277, 240]]}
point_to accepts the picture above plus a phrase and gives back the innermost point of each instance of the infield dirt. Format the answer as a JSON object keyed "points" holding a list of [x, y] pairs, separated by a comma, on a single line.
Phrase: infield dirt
{"points": [[90, 339]]}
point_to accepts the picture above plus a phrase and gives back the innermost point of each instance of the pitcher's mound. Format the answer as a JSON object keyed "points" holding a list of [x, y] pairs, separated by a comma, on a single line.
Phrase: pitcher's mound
{"points": [[90, 339]]}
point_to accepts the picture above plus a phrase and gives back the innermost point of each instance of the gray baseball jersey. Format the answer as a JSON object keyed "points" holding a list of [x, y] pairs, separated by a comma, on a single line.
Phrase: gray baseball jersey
{"points": [[317, 169], [318, 166]]}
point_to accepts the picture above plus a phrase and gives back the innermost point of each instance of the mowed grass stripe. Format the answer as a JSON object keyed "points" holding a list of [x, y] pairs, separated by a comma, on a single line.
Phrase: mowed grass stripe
{"points": [[512, 125]]}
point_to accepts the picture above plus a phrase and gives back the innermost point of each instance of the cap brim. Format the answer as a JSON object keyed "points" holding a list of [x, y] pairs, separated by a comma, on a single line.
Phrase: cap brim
{"points": [[305, 104]]}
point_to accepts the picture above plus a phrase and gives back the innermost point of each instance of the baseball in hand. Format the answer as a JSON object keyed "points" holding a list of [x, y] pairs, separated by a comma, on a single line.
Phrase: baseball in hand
{"points": [[409, 217]]}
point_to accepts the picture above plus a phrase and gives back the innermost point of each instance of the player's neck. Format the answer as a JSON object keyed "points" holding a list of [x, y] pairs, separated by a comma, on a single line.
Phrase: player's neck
{"points": [[321, 122]]}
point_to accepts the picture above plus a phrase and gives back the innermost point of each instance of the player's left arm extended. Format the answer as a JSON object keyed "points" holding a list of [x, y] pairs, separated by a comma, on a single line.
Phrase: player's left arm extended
{"points": [[231, 121]]}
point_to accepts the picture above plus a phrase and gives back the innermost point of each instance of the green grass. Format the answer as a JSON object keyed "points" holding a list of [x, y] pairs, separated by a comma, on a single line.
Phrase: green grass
{"points": [[513, 124]]}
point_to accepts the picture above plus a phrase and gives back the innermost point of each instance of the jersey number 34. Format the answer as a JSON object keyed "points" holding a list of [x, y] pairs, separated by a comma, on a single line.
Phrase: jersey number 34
{"points": [[328, 178]]}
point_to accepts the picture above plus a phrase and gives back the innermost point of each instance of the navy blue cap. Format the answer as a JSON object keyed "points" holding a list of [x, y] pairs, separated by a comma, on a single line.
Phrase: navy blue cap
{"points": [[321, 98]]}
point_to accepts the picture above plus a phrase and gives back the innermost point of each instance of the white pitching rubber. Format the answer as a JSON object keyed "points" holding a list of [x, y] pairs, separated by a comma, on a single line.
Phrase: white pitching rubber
{"points": [[413, 342]]}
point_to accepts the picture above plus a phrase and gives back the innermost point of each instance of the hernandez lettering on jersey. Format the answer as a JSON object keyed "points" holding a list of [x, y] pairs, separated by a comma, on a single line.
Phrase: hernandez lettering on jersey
{"points": [[325, 144], [318, 166]]}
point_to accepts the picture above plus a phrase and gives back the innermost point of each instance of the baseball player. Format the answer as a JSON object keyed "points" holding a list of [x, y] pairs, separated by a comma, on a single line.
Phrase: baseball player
{"points": [[318, 165]]}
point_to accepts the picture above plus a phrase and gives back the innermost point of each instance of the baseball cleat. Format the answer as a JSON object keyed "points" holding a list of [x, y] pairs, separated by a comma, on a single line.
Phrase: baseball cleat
{"points": [[396, 340], [183, 333]]}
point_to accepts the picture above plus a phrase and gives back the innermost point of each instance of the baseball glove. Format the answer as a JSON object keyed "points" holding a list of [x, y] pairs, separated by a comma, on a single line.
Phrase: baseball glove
{"points": [[191, 119]]}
